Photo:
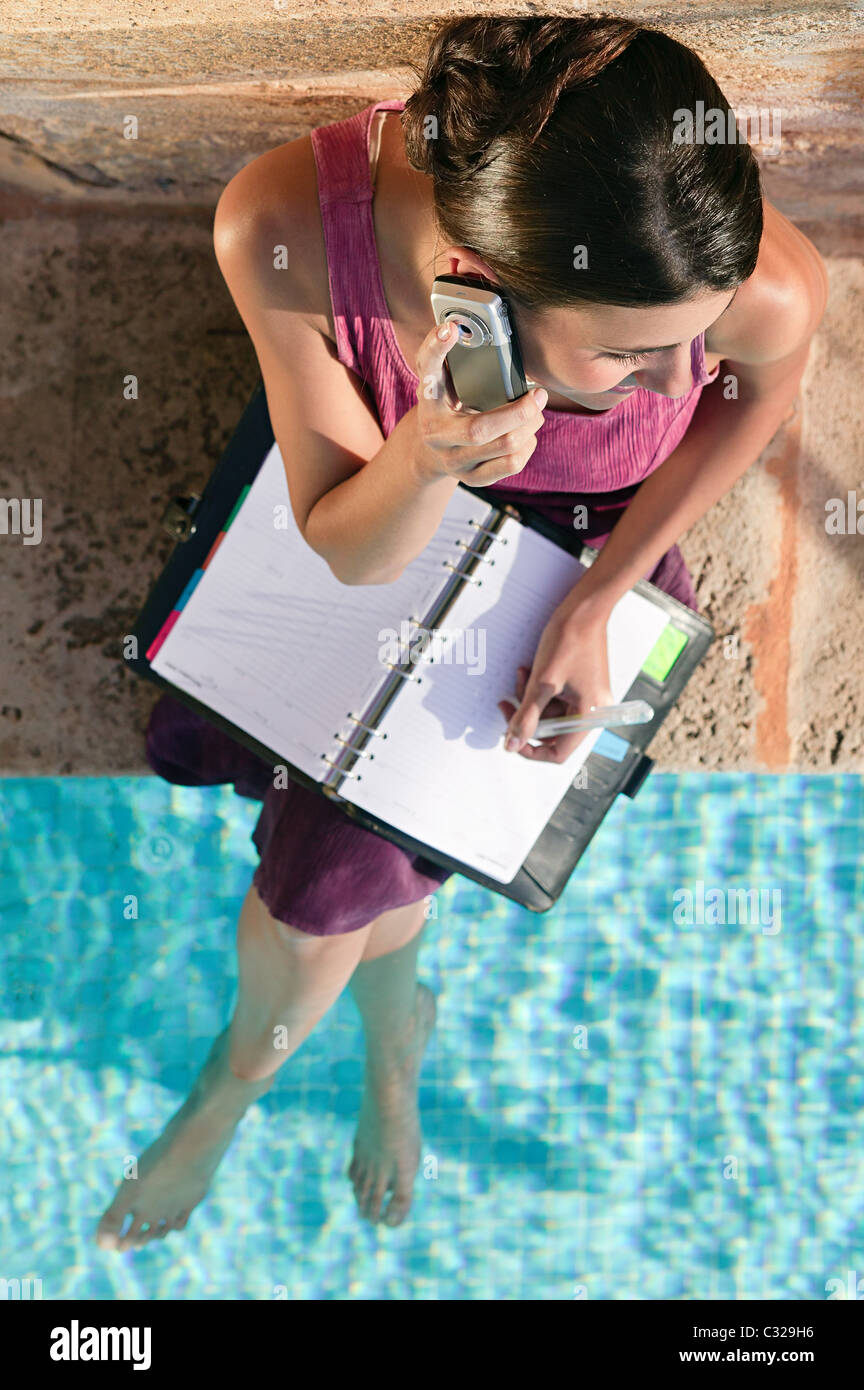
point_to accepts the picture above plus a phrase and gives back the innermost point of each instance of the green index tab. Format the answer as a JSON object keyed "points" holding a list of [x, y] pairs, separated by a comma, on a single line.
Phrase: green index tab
{"points": [[665, 652], [237, 505]]}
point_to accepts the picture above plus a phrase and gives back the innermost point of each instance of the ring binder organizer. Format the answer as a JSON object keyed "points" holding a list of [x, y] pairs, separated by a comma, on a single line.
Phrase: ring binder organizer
{"points": [[231, 569], [486, 531], [361, 752], [468, 578], [399, 672], [482, 559], [353, 747], [375, 733], [342, 771]]}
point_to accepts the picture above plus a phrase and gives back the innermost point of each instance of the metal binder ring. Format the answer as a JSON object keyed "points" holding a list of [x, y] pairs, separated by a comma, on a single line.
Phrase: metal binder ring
{"points": [[376, 733], [487, 531], [342, 770], [403, 674], [486, 559], [358, 752], [469, 578]]}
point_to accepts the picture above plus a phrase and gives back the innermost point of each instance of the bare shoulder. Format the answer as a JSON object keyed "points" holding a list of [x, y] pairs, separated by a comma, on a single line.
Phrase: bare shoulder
{"points": [[268, 236], [778, 309]]}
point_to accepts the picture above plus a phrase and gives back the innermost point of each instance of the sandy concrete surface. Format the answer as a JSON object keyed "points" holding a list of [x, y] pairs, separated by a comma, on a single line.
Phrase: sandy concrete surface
{"points": [[109, 270]]}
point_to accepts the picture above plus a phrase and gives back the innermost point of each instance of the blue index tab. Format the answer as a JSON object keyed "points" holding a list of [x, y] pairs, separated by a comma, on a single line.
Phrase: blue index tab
{"points": [[186, 594], [609, 745]]}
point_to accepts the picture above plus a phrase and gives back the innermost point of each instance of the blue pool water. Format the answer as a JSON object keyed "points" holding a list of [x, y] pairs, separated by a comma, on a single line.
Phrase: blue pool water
{"points": [[616, 1104]]}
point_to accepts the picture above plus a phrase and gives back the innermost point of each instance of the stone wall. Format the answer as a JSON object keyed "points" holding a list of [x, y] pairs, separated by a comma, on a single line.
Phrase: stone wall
{"points": [[109, 269]]}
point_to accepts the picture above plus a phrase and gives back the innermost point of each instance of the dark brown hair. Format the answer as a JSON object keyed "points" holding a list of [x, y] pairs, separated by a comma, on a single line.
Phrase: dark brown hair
{"points": [[551, 133]]}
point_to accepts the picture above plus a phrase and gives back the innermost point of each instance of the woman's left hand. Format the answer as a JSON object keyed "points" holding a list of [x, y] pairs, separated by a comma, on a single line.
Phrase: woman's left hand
{"points": [[569, 675]]}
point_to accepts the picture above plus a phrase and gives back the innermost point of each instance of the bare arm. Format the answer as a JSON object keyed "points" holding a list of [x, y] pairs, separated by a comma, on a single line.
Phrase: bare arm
{"points": [[366, 504], [764, 340], [725, 436]]}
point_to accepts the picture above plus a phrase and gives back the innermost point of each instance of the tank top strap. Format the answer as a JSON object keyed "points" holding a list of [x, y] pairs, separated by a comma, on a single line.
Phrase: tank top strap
{"points": [[345, 194], [576, 453], [701, 377]]}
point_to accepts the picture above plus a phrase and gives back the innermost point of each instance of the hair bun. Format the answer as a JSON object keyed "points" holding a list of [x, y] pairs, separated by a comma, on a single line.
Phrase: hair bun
{"points": [[485, 75]]}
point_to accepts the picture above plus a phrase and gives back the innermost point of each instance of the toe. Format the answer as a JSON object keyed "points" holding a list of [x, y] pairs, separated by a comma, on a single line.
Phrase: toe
{"points": [[128, 1241], [373, 1206], [109, 1228], [358, 1180], [149, 1231], [397, 1208], [367, 1187], [154, 1230], [181, 1221]]}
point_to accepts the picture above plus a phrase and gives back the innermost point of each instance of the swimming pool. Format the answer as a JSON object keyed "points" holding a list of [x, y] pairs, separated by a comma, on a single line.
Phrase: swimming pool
{"points": [[620, 1101]]}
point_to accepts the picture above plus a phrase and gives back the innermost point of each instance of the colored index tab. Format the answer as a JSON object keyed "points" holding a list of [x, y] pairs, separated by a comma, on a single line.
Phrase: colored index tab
{"points": [[665, 652], [611, 746], [184, 597], [237, 505]]}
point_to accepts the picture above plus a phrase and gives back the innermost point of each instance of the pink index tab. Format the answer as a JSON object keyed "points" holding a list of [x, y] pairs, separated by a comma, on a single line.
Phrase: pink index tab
{"points": [[162, 634]]}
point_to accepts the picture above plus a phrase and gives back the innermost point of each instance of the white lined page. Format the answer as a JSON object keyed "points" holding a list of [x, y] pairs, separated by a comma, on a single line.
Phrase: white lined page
{"points": [[273, 642], [442, 775]]}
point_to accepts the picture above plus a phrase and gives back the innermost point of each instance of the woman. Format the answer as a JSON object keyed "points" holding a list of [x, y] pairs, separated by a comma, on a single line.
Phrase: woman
{"points": [[543, 154]]}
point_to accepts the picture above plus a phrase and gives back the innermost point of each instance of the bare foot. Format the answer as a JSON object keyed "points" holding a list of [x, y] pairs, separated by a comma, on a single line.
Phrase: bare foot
{"points": [[175, 1172], [387, 1144]]}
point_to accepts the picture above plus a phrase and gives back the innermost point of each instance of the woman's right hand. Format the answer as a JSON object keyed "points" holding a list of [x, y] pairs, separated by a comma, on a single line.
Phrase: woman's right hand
{"points": [[475, 447]]}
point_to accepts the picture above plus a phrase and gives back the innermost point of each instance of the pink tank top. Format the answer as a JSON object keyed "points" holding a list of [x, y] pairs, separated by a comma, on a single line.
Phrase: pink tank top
{"points": [[579, 453]]}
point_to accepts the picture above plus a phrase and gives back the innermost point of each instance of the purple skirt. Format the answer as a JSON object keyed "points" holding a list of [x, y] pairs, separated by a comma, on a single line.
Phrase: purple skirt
{"points": [[319, 871]]}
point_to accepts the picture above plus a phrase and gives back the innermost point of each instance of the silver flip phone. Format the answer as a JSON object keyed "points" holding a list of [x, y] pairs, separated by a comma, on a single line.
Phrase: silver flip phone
{"points": [[485, 364]]}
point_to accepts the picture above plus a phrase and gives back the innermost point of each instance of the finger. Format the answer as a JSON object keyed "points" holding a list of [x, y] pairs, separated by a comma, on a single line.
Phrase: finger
{"points": [[509, 706], [537, 695], [468, 447], [435, 385], [495, 470], [521, 681], [553, 750], [517, 421], [513, 413]]}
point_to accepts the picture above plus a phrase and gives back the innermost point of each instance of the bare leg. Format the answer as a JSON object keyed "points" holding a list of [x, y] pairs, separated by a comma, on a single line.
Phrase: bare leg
{"points": [[398, 1015], [287, 982], [288, 979]]}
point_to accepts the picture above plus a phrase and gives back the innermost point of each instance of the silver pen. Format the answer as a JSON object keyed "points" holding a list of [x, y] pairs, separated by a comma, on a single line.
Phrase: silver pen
{"points": [[605, 717]]}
